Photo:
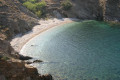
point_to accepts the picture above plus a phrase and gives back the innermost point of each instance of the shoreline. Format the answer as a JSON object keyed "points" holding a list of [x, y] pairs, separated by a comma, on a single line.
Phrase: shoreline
{"points": [[20, 40]]}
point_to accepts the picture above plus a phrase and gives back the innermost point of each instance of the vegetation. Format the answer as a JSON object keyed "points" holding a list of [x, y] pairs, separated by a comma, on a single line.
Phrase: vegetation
{"points": [[38, 13], [66, 5], [4, 58], [30, 6], [35, 6], [0, 2], [3, 32]]}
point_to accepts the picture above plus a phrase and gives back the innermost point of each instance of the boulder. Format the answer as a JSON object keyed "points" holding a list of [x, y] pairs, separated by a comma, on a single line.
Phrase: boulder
{"points": [[2, 77], [21, 57], [37, 61]]}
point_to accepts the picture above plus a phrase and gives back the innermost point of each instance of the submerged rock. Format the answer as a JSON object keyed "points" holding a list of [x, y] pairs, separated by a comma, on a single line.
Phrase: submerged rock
{"points": [[46, 77], [37, 61], [21, 57]]}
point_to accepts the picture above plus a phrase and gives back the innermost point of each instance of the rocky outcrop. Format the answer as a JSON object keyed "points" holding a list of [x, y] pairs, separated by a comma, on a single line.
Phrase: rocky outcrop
{"points": [[112, 10], [107, 10], [6, 49], [15, 17], [82, 9], [85, 9], [17, 70]]}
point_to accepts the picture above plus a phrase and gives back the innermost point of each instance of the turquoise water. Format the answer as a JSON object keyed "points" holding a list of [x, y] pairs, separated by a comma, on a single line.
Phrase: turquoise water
{"points": [[88, 50]]}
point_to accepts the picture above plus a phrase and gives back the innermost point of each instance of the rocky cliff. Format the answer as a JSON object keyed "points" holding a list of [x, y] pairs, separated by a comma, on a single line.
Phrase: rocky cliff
{"points": [[112, 10], [85, 9], [18, 70], [82, 9], [107, 10], [15, 18]]}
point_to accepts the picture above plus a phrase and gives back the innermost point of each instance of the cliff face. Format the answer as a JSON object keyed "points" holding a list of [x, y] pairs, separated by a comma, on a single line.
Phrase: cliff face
{"points": [[112, 10], [15, 17], [107, 10], [82, 9], [86, 9], [17, 70]]}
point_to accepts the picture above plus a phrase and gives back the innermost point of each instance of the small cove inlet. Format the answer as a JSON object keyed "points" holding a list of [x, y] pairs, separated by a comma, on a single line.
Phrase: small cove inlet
{"points": [[88, 50]]}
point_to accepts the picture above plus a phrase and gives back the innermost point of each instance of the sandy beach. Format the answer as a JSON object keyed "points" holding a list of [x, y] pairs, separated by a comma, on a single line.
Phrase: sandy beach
{"points": [[19, 40]]}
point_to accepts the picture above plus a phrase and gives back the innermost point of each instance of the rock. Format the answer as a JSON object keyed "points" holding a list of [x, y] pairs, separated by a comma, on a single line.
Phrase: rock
{"points": [[28, 78], [47, 77], [57, 14], [31, 70], [37, 61], [2, 77], [19, 65], [21, 57], [28, 62], [96, 79]]}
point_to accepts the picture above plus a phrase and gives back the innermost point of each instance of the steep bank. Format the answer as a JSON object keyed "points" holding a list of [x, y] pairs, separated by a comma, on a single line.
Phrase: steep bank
{"points": [[85, 9], [18, 70], [15, 19], [107, 10], [110, 10]]}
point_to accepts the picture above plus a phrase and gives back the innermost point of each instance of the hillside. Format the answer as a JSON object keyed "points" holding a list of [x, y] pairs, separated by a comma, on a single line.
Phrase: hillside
{"points": [[15, 18]]}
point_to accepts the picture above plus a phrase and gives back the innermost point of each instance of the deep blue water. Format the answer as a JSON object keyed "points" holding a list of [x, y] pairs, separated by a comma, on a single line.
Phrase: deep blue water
{"points": [[88, 50]]}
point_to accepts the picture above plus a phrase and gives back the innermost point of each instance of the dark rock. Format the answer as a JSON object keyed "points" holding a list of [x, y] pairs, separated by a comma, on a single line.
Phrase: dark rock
{"points": [[47, 77], [37, 61], [2, 77], [28, 62], [96, 78], [21, 57]]}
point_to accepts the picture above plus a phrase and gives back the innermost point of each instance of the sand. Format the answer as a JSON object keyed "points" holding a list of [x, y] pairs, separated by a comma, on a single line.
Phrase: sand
{"points": [[20, 40]]}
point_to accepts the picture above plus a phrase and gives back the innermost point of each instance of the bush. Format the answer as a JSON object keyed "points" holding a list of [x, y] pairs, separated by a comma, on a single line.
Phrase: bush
{"points": [[38, 13], [40, 5], [30, 6], [4, 58], [33, 1], [36, 7], [66, 5]]}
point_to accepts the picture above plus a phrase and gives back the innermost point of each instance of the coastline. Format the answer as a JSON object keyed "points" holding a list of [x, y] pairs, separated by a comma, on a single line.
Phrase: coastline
{"points": [[20, 40]]}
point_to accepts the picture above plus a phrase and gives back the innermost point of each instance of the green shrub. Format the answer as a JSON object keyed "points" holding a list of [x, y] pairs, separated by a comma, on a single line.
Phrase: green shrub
{"points": [[4, 58], [30, 6], [40, 5], [66, 5], [33, 1], [36, 7], [38, 13]]}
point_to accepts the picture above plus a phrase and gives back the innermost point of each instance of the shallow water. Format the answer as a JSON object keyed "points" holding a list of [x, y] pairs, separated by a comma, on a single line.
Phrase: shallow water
{"points": [[88, 50]]}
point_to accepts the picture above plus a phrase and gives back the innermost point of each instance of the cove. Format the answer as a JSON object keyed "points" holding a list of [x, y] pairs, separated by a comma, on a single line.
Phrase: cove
{"points": [[87, 50]]}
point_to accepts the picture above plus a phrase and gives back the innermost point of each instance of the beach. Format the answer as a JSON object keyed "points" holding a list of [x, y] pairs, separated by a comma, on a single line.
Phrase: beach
{"points": [[20, 40]]}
